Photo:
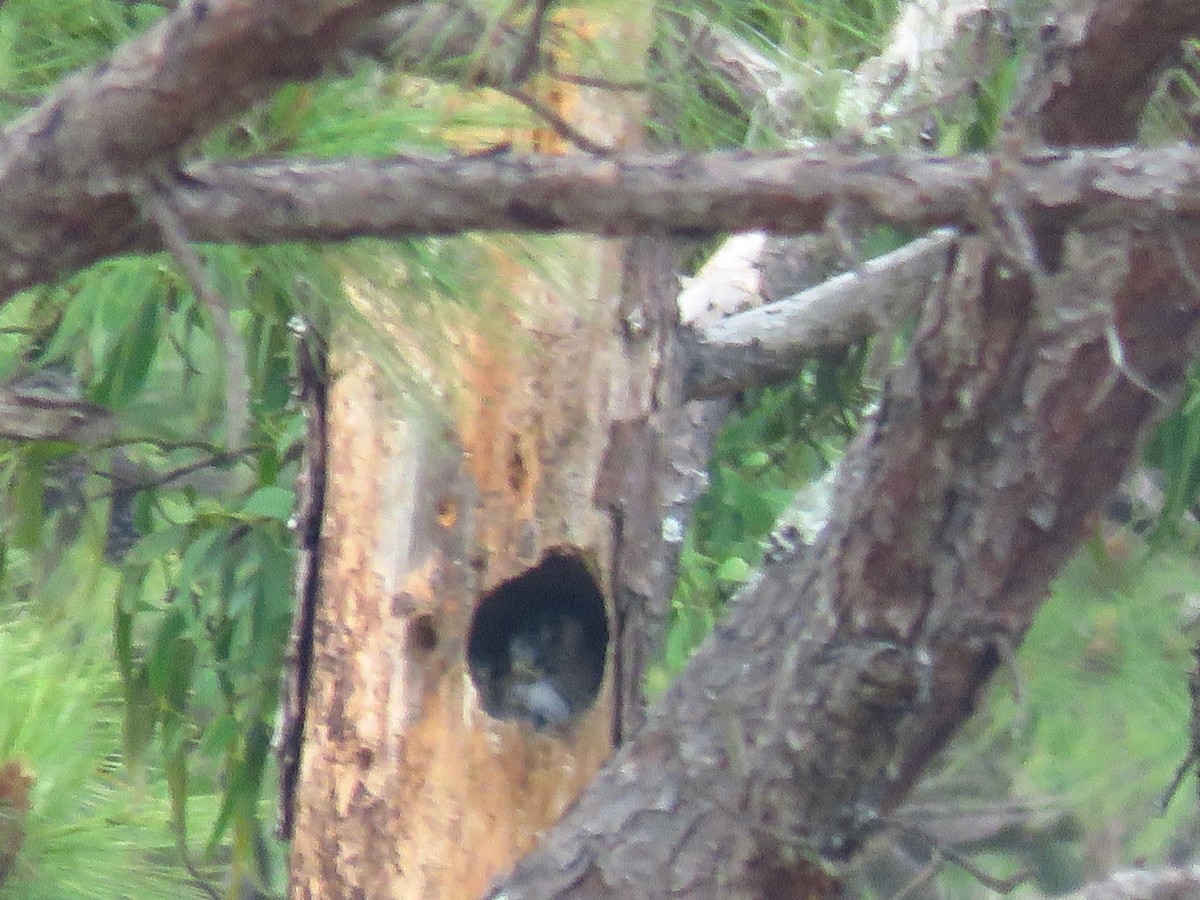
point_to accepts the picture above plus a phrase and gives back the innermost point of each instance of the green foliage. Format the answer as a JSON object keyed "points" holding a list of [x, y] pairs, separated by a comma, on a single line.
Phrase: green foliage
{"points": [[195, 611], [815, 44], [1100, 719], [778, 440], [1175, 450], [1095, 725], [1173, 110], [978, 127], [201, 604], [40, 43], [182, 547], [1172, 115], [88, 834]]}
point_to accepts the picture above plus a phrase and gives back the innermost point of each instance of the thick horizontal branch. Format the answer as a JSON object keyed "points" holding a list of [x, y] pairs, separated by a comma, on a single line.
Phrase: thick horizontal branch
{"points": [[70, 169], [678, 194], [270, 202]]}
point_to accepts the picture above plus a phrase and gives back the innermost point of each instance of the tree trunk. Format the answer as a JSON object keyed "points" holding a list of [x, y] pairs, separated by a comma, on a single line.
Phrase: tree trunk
{"points": [[802, 722], [492, 575], [807, 716], [411, 787]]}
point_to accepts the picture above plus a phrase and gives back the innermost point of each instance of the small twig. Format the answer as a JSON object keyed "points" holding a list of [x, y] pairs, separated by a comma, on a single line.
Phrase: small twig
{"points": [[595, 81], [1193, 754], [198, 879], [839, 227], [1006, 649], [1120, 361], [936, 863], [146, 478], [561, 126], [527, 61], [1001, 222], [1185, 265], [237, 389], [491, 42], [165, 445], [1168, 795], [1019, 232], [938, 850]]}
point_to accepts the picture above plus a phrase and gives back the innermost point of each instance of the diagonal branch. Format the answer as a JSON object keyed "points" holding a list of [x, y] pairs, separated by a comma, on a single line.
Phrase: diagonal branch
{"points": [[838, 675], [804, 719], [768, 344], [66, 165]]}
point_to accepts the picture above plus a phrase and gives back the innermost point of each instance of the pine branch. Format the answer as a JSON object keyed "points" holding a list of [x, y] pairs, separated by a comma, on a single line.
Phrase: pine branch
{"points": [[66, 165], [677, 194]]}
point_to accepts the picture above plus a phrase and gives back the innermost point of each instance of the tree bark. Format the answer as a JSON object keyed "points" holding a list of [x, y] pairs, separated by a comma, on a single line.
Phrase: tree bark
{"points": [[802, 722], [807, 716], [537, 494], [75, 169], [809, 713]]}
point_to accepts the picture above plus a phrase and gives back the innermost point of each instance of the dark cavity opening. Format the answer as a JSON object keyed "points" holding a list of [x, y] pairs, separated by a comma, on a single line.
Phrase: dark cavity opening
{"points": [[537, 644]]}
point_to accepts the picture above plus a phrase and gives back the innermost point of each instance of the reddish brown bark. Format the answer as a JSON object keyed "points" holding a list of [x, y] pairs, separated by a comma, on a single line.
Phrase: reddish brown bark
{"points": [[809, 713], [70, 168], [811, 710]]}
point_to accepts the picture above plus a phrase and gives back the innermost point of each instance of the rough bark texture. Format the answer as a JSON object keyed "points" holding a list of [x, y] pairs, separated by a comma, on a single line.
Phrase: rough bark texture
{"points": [[554, 444], [683, 194], [1115, 50], [653, 470], [813, 708], [70, 168], [408, 787], [768, 344], [809, 712], [808, 715], [312, 389]]}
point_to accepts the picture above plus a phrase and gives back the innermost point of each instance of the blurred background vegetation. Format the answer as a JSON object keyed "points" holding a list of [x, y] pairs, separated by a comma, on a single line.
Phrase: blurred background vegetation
{"points": [[145, 578]]}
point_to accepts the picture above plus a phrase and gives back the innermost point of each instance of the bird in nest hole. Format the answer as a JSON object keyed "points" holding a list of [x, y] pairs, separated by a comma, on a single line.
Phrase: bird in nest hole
{"points": [[549, 678]]}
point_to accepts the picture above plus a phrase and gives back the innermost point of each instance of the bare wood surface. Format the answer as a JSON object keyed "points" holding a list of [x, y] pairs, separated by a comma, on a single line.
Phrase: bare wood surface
{"points": [[769, 343]]}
